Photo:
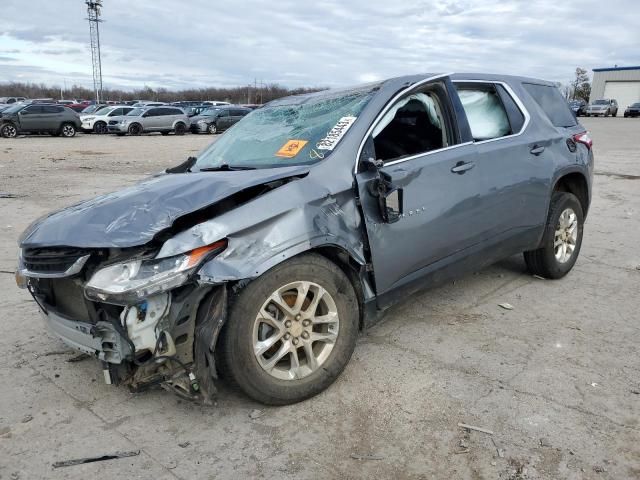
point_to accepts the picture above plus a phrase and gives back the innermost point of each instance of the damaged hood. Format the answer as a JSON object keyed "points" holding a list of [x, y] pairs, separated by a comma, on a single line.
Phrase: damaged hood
{"points": [[134, 215]]}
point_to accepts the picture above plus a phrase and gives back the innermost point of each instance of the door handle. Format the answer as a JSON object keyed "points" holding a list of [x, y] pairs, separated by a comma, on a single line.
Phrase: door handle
{"points": [[536, 149], [462, 167]]}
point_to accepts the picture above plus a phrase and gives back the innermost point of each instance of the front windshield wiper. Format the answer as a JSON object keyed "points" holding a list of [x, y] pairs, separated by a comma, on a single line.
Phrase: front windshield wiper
{"points": [[225, 167]]}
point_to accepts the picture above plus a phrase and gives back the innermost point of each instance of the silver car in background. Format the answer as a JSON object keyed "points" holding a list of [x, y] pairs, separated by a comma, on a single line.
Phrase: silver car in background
{"points": [[164, 119], [603, 107]]}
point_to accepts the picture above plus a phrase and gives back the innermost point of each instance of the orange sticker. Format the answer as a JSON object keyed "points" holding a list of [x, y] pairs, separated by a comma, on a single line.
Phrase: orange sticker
{"points": [[291, 148]]}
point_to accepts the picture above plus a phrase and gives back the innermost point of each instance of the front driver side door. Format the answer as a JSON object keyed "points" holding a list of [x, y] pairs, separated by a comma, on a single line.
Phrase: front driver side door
{"points": [[425, 154]]}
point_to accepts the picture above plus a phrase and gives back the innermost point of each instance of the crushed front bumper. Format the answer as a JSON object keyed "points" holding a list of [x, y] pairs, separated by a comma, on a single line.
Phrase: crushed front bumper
{"points": [[101, 340]]}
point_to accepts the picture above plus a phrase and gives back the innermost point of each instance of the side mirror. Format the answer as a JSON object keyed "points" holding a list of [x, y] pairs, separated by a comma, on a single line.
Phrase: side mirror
{"points": [[390, 197]]}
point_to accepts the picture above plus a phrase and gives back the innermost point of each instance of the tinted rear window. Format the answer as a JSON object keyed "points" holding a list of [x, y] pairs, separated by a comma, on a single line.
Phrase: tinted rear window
{"points": [[553, 103]]}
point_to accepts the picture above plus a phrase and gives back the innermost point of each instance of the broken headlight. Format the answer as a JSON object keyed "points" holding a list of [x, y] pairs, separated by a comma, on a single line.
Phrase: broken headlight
{"points": [[130, 281]]}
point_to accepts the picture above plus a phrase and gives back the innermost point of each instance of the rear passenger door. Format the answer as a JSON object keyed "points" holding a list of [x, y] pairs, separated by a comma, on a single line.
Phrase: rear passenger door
{"points": [[224, 119], [52, 116], [513, 159]]}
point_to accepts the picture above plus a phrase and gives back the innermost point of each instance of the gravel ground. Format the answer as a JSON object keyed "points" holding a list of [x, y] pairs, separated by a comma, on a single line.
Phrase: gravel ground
{"points": [[556, 379]]}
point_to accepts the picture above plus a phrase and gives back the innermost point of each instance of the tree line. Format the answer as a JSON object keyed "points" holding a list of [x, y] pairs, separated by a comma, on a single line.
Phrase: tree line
{"points": [[249, 94]]}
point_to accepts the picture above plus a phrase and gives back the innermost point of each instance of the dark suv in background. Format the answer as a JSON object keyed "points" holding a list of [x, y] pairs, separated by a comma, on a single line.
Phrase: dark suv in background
{"points": [[578, 107], [217, 119], [39, 118]]}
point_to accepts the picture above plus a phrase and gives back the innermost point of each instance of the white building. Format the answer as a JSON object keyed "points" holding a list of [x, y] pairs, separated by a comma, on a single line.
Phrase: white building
{"points": [[620, 83]]}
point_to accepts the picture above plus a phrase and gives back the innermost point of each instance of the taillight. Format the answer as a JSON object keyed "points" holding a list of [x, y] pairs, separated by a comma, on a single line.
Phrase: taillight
{"points": [[583, 138]]}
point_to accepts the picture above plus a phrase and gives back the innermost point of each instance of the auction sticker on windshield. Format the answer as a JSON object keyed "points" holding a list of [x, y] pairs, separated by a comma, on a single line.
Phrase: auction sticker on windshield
{"points": [[291, 148], [336, 133]]}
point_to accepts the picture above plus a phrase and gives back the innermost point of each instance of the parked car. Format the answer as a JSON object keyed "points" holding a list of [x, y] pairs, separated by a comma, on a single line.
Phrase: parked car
{"points": [[194, 110], [217, 119], [66, 103], [79, 106], [578, 107], [153, 119], [603, 107], [38, 118], [632, 110], [148, 104], [97, 122], [93, 108], [215, 103], [261, 259], [11, 100]]}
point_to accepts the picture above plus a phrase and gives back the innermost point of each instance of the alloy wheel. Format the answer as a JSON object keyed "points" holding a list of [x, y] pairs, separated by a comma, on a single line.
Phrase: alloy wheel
{"points": [[68, 131], [295, 330], [9, 131], [566, 235]]}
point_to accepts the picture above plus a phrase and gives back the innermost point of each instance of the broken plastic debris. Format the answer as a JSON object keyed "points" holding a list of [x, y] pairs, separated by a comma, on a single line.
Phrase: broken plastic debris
{"points": [[80, 461], [506, 306], [477, 429], [358, 456], [255, 413]]}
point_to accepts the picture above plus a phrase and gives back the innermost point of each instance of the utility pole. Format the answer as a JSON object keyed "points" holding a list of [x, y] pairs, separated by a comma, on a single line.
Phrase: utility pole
{"points": [[93, 15]]}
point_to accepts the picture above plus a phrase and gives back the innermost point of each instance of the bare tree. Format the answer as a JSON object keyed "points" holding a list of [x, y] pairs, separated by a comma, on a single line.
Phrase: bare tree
{"points": [[581, 85], [264, 93]]}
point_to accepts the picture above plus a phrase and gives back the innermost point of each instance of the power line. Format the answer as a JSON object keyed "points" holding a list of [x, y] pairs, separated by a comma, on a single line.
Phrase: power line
{"points": [[93, 15]]}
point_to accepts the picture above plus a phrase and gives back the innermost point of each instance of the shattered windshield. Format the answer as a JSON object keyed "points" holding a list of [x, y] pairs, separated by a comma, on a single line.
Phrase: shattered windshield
{"points": [[294, 131]]}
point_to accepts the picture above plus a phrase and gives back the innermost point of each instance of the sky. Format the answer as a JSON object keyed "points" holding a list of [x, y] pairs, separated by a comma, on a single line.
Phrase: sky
{"points": [[172, 44]]}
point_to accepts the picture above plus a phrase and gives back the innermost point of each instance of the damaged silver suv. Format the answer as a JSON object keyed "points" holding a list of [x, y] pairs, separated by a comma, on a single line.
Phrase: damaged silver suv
{"points": [[261, 259]]}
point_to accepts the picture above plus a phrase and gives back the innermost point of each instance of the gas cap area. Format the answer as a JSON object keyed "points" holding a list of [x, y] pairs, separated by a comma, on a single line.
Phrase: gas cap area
{"points": [[141, 321]]}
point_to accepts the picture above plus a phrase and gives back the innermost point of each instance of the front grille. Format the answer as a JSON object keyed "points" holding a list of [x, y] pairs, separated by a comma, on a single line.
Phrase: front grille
{"points": [[51, 260]]}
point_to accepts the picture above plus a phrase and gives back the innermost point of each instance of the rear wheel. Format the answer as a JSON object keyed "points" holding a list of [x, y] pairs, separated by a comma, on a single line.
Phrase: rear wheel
{"points": [[68, 130], [135, 129], [291, 331], [180, 128], [100, 127], [9, 131], [562, 238]]}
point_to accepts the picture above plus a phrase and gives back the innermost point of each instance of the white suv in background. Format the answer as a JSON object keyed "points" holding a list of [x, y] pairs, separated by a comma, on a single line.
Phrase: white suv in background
{"points": [[97, 123]]}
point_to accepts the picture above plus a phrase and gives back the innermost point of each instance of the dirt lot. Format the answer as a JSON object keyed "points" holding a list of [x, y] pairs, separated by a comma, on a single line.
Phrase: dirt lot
{"points": [[557, 379]]}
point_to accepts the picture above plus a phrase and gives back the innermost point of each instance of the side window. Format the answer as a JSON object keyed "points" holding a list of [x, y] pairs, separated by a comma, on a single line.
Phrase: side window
{"points": [[485, 111], [516, 117], [223, 113], [418, 123], [153, 112], [33, 109], [550, 100], [115, 112], [52, 109], [175, 111]]}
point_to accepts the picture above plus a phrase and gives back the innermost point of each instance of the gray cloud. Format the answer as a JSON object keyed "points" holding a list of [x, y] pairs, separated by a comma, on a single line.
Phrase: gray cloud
{"points": [[322, 43]]}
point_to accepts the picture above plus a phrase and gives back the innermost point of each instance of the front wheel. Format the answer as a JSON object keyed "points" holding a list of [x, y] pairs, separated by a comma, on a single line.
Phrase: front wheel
{"points": [[9, 131], [562, 238], [290, 332], [212, 128], [135, 129], [100, 127]]}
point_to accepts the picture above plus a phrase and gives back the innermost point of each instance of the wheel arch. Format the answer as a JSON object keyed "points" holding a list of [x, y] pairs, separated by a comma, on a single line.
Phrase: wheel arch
{"points": [[574, 182]]}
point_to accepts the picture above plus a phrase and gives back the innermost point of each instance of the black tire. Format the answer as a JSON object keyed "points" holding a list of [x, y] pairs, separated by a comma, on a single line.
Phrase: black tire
{"points": [[212, 129], [180, 128], [100, 128], [9, 130], [543, 261], [120, 134], [236, 350], [135, 129]]}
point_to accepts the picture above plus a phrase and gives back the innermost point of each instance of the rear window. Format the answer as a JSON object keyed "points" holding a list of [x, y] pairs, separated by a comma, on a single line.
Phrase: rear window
{"points": [[552, 103]]}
